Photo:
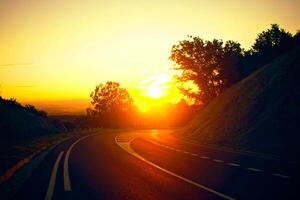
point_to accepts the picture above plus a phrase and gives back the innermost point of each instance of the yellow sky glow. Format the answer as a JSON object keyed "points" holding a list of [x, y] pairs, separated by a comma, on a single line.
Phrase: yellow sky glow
{"points": [[59, 50]]}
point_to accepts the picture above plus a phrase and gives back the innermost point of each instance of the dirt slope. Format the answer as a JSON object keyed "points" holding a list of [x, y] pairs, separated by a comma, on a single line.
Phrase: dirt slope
{"points": [[261, 113]]}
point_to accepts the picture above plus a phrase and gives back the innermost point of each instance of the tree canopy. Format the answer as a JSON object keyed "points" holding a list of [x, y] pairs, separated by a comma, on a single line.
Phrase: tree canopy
{"points": [[268, 45], [274, 38], [109, 98], [210, 65]]}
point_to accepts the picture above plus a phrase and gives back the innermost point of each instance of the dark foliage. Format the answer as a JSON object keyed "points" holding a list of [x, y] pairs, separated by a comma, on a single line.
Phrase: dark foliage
{"points": [[214, 66], [210, 65], [114, 108], [268, 45], [19, 122], [110, 97], [32, 109], [72, 122], [111, 106]]}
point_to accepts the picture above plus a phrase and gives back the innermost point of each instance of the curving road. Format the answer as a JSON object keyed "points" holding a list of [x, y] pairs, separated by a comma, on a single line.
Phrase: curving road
{"points": [[156, 165]]}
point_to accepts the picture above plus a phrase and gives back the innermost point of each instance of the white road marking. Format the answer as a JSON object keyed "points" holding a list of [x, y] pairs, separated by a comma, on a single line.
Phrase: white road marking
{"points": [[126, 147], [254, 169], [234, 164], [204, 157], [67, 182], [51, 186], [281, 175], [215, 160], [244, 153], [219, 161]]}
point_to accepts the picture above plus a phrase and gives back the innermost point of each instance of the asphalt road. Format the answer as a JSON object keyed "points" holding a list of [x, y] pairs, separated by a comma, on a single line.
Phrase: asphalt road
{"points": [[156, 165]]}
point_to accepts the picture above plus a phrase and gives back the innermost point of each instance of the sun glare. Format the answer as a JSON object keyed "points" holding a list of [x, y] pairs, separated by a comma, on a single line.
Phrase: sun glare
{"points": [[154, 92]]}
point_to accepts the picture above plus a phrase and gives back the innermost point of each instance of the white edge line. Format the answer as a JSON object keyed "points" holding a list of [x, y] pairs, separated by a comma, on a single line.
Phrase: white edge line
{"points": [[51, 186], [67, 182], [126, 147]]}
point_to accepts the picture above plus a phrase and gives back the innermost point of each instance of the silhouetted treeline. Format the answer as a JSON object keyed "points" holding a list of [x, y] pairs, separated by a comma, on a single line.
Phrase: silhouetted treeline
{"points": [[162, 116], [268, 45], [72, 122], [206, 69], [213, 66], [112, 107]]}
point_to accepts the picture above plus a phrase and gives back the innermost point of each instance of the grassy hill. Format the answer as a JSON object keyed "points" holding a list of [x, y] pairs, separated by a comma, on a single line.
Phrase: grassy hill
{"points": [[260, 113], [20, 122]]}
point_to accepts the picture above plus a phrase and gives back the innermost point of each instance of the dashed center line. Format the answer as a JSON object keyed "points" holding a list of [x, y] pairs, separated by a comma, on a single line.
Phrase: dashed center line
{"points": [[126, 146], [204, 157], [254, 169], [281, 175], [217, 160], [234, 164]]}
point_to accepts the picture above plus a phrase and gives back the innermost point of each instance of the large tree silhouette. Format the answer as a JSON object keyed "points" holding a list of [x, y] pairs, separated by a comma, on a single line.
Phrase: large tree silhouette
{"points": [[110, 97], [110, 104], [210, 65]]}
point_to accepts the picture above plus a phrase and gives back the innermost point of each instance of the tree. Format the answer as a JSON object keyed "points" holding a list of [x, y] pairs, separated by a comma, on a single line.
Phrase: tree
{"points": [[272, 40], [268, 45], [110, 97], [207, 64], [110, 103]]}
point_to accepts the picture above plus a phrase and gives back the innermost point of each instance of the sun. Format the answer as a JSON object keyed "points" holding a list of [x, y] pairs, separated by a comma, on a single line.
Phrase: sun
{"points": [[154, 92]]}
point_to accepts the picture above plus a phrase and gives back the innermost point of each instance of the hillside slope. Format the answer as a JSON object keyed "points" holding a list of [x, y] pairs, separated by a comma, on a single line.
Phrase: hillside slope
{"points": [[261, 113], [23, 122]]}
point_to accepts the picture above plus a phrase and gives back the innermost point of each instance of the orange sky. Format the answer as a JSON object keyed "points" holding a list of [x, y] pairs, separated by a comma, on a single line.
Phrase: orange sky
{"points": [[58, 50]]}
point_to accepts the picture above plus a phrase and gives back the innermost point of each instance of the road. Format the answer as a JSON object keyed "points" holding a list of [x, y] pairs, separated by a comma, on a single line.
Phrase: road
{"points": [[156, 165]]}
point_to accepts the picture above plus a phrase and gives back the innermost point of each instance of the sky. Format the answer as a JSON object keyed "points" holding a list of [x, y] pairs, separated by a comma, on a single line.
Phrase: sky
{"points": [[54, 52]]}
